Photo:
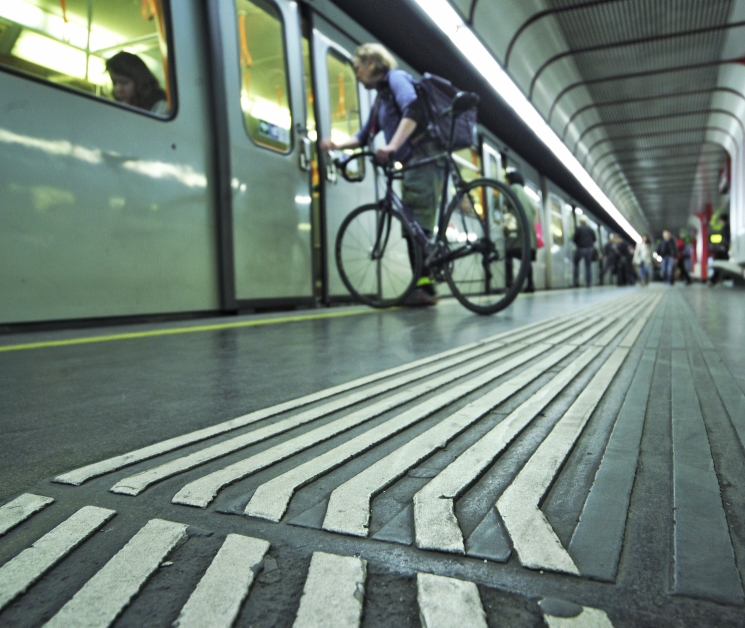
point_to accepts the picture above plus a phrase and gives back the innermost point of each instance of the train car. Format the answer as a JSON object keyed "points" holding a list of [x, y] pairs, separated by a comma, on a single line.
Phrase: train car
{"points": [[204, 191]]}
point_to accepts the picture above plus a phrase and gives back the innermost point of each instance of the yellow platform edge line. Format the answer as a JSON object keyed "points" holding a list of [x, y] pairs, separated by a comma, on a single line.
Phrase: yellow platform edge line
{"points": [[182, 330]]}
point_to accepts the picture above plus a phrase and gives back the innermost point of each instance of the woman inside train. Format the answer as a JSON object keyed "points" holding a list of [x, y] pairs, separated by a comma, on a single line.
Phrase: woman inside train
{"points": [[135, 84]]}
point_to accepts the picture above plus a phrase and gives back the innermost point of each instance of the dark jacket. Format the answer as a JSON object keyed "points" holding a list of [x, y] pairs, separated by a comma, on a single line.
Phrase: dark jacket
{"points": [[584, 237], [668, 248]]}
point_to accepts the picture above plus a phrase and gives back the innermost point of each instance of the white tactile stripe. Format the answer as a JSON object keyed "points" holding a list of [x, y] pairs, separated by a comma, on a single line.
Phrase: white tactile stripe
{"points": [[333, 593], [135, 484], [109, 591], [588, 618], [78, 476], [82, 474], [201, 492], [611, 324], [436, 526], [636, 330], [534, 539], [449, 603], [217, 600], [20, 509], [349, 505], [21, 572], [272, 498]]}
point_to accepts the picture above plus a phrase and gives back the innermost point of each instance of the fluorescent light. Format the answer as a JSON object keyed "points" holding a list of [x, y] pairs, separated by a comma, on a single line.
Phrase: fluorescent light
{"points": [[577, 210], [73, 32], [450, 23]]}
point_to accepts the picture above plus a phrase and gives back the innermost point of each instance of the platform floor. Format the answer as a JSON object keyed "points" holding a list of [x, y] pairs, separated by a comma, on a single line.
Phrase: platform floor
{"points": [[577, 460]]}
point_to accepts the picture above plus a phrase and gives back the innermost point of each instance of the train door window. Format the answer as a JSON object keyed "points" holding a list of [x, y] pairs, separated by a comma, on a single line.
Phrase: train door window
{"points": [[344, 104], [265, 99], [83, 44], [557, 229]]}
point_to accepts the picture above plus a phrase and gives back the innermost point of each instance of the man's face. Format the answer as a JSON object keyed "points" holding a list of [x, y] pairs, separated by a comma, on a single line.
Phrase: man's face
{"points": [[666, 234], [365, 72]]}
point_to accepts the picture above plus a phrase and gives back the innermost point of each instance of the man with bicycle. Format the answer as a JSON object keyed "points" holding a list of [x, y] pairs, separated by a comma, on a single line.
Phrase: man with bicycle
{"points": [[397, 113]]}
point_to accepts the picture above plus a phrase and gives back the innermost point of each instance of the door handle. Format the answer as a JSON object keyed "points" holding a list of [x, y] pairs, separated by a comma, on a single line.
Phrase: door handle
{"points": [[306, 153]]}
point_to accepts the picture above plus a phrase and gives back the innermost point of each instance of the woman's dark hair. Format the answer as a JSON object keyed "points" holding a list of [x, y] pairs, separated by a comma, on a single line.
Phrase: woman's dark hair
{"points": [[147, 89]]}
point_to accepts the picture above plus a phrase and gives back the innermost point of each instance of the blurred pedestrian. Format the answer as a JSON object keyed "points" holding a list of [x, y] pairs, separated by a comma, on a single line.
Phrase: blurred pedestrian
{"points": [[685, 252], [610, 258], [668, 251], [517, 185], [642, 260], [584, 240]]}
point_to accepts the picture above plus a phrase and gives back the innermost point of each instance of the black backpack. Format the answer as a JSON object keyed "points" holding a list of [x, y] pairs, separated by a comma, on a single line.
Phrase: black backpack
{"points": [[435, 95]]}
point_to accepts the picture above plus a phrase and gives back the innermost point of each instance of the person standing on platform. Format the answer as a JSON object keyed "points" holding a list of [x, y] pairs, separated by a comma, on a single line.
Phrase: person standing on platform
{"points": [[685, 252], [584, 240], [642, 260], [668, 251], [610, 258], [517, 185]]}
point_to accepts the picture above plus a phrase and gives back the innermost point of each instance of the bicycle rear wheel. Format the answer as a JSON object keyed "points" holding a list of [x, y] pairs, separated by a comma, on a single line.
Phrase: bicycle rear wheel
{"points": [[377, 257], [488, 240]]}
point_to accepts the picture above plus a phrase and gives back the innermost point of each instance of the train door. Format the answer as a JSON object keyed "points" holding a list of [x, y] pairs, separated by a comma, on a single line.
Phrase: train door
{"points": [[595, 264], [341, 106], [569, 228], [556, 242], [269, 151], [539, 265]]}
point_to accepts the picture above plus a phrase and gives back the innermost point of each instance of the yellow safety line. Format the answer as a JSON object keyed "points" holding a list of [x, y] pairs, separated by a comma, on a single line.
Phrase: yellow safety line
{"points": [[182, 330], [189, 330]]}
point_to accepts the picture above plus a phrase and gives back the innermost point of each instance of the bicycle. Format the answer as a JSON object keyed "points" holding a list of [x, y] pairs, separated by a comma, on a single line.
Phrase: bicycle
{"points": [[381, 247]]}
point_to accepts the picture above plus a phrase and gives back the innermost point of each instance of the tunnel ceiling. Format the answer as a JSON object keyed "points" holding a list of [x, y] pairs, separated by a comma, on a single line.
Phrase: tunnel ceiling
{"points": [[648, 94]]}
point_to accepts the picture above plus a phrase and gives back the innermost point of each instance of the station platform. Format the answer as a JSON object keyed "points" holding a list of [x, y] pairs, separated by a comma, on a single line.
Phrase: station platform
{"points": [[576, 460]]}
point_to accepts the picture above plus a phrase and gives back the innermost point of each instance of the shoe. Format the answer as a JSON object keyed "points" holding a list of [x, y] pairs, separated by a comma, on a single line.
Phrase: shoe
{"points": [[576, 285], [529, 289], [419, 298]]}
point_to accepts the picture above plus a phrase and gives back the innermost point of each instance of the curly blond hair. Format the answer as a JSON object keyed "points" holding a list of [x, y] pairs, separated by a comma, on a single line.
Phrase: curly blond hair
{"points": [[382, 60]]}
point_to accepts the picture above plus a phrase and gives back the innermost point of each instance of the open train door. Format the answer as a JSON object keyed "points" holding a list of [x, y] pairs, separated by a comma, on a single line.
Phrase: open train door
{"points": [[341, 105], [267, 232]]}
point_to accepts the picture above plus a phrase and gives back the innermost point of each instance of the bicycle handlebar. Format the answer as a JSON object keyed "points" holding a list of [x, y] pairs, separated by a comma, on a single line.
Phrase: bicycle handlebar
{"points": [[342, 163]]}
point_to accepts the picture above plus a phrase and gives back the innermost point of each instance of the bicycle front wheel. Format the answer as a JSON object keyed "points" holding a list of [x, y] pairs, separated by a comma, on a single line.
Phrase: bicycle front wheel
{"points": [[377, 257], [488, 242]]}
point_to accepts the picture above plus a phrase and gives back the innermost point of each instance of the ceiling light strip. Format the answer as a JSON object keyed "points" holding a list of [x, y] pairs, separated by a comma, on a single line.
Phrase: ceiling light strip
{"points": [[451, 24]]}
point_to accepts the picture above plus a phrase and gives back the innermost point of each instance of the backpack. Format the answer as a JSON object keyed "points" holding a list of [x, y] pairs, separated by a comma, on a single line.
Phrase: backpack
{"points": [[435, 96]]}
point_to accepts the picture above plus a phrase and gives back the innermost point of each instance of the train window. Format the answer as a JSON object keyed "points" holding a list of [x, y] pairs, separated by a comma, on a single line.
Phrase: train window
{"points": [[265, 99], [557, 229], [344, 102], [114, 49]]}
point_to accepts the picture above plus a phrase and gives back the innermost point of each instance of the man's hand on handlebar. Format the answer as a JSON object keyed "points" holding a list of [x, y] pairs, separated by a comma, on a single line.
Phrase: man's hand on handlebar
{"points": [[385, 153]]}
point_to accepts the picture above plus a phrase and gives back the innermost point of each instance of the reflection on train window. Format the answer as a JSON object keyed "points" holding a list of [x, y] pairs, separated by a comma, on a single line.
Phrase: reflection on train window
{"points": [[344, 104], [69, 43], [265, 99]]}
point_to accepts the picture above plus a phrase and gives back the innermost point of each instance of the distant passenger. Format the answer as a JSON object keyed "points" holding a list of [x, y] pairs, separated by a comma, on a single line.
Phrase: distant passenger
{"points": [[397, 114], [685, 254], [517, 184], [668, 251], [642, 260], [610, 258], [584, 240], [135, 84]]}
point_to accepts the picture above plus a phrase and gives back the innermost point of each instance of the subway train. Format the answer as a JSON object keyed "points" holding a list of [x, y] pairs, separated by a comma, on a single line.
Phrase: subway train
{"points": [[215, 198]]}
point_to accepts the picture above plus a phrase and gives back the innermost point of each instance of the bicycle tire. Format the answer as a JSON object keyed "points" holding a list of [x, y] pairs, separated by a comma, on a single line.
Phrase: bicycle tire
{"points": [[486, 233], [377, 257]]}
